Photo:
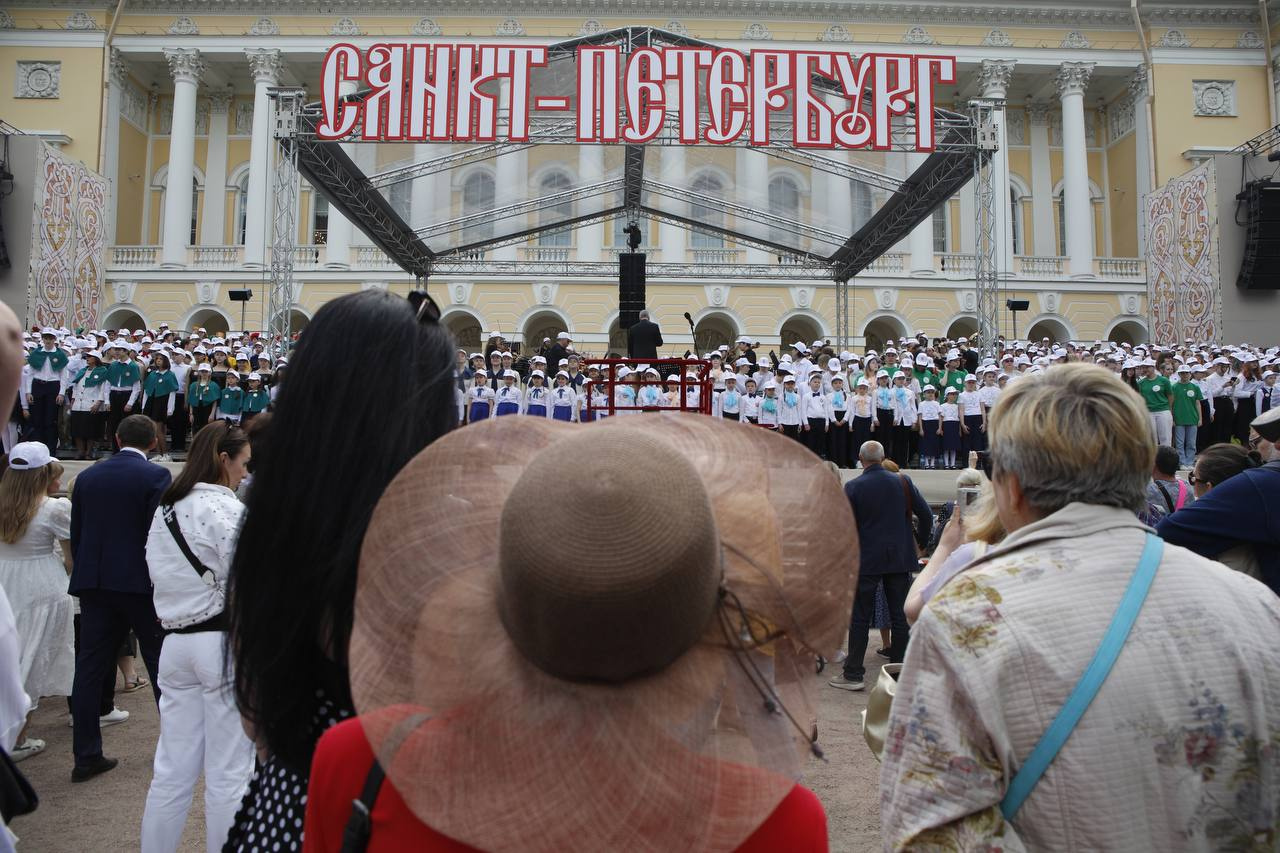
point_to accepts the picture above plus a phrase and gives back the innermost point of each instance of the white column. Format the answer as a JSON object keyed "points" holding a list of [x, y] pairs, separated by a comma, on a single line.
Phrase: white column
{"points": [[1073, 79], [511, 183], [995, 77], [673, 240], [214, 213], [421, 191], [1044, 237], [185, 66], [920, 241], [1142, 151], [111, 142], [752, 188], [968, 210], [265, 64], [337, 242], [590, 238]]}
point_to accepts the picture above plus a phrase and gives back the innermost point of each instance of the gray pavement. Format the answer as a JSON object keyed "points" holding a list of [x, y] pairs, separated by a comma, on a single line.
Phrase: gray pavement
{"points": [[105, 813]]}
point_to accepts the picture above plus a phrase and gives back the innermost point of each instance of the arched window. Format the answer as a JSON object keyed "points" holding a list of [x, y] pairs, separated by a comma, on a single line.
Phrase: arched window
{"points": [[784, 203], [708, 185], [477, 196], [242, 207], [553, 183], [863, 205]]}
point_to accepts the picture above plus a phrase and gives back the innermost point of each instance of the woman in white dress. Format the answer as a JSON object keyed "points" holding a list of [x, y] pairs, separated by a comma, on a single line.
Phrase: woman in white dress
{"points": [[34, 529]]}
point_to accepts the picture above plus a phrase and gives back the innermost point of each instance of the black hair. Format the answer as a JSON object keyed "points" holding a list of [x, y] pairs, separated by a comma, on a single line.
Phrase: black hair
{"points": [[136, 431], [1166, 460], [204, 459], [292, 583], [1220, 462]]}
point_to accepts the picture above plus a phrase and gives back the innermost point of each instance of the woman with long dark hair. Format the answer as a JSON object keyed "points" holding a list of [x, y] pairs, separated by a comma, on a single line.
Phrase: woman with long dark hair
{"points": [[293, 578], [189, 550]]}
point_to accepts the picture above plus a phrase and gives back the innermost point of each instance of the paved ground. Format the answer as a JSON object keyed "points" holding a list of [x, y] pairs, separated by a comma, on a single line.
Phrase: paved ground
{"points": [[104, 814]]}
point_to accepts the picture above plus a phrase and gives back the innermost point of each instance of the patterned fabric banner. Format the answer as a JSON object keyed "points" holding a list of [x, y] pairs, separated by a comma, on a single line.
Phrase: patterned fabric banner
{"points": [[68, 243], [1183, 285]]}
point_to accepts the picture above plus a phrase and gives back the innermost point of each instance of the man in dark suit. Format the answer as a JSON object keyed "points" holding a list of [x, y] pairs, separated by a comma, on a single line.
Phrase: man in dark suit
{"points": [[112, 505], [883, 503], [643, 338], [558, 351]]}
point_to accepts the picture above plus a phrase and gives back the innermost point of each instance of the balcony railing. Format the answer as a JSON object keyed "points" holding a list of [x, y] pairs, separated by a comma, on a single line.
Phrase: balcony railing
{"points": [[715, 256], [307, 257], [371, 257], [894, 264], [955, 263], [134, 257], [546, 253], [1121, 268], [215, 257], [888, 262], [1034, 267]]}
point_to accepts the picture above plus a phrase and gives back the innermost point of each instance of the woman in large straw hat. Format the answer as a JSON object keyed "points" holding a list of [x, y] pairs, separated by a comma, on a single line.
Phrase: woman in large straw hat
{"points": [[645, 693]]}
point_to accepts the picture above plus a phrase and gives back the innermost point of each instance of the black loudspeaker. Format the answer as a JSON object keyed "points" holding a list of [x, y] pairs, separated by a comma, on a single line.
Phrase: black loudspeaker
{"points": [[239, 295], [1017, 304], [630, 288], [1260, 269]]}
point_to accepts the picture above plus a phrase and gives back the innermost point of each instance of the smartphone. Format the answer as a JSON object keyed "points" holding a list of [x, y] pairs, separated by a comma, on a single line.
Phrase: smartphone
{"points": [[965, 497]]}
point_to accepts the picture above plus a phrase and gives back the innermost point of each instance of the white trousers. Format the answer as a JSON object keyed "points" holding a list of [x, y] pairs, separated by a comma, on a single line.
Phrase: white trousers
{"points": [[199, 730], [1162, 423]]}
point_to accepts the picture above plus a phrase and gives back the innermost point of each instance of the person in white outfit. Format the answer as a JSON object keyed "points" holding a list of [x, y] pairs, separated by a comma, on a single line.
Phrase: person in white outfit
{"points": [[189, 550], [34, 528]]}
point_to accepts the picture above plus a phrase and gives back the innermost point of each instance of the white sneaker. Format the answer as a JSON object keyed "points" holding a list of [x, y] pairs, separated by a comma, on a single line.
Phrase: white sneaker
{"points": [[115, 717], [29, 747]]}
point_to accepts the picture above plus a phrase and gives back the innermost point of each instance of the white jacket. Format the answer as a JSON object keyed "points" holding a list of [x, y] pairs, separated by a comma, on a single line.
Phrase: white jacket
{"points": [[209, 519]]}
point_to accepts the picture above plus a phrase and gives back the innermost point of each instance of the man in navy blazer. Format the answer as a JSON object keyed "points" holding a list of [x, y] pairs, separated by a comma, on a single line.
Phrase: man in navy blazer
{"points": [[112, 505], [883, 503]]}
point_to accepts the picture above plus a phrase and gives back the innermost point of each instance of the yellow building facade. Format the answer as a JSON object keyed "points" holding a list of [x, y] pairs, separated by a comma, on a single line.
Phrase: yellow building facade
{"points": [[1155, 97]]}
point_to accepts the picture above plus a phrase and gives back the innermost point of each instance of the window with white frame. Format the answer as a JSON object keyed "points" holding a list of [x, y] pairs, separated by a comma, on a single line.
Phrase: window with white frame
{"points": [[1015, 221]]}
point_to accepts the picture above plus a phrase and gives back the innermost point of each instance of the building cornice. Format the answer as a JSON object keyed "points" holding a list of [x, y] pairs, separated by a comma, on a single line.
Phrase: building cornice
{"points": [[1105, 15]]}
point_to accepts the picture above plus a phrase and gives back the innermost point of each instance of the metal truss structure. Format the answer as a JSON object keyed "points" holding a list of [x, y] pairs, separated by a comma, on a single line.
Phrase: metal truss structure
{"points": [[963, 148], [987, 237]]}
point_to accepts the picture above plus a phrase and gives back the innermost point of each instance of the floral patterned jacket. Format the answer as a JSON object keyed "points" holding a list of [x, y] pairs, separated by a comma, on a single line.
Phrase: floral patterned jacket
{"points": [[1180, 749]]}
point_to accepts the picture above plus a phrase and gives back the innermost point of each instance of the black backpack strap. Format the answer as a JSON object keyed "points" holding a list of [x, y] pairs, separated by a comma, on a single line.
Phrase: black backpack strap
{"points": [[171, 521], [355, 838], [1168, 501]]}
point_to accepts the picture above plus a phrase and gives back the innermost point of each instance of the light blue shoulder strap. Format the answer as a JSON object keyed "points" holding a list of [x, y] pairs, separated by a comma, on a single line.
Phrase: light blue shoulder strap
{"points": [[1087, 687]]}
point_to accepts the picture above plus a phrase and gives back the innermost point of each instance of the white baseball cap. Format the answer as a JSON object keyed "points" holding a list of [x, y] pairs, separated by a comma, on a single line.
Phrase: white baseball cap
{"points": [[29, 455]]}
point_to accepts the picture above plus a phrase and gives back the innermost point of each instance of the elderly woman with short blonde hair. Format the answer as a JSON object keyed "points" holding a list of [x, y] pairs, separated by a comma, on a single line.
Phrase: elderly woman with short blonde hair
{"points": [[1174, 750]]}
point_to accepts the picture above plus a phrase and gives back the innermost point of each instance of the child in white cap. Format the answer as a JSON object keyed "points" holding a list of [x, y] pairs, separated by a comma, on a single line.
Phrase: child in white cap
{"points": [[536, 396], [481, 400], [789, 411], [510, 398], [973, 420], [769, 406], [563, 399], [256, 399]]}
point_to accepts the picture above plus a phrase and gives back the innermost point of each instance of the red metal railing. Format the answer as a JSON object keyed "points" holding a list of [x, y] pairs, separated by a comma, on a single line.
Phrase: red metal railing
{"points": [[610, 382]]}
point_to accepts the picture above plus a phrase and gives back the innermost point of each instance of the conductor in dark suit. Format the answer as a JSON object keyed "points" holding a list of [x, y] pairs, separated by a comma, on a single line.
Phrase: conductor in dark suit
{"points": [[643, 338], [883, 503], [112, 505]]}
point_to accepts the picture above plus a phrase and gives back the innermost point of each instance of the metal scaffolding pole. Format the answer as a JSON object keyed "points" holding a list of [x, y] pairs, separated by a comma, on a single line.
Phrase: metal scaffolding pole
{"points": [[844, 322], [287, 104], [986, 244]]}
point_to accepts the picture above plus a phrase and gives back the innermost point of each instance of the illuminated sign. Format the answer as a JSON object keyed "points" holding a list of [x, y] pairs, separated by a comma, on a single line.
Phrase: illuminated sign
{"points": [[444, 92]]}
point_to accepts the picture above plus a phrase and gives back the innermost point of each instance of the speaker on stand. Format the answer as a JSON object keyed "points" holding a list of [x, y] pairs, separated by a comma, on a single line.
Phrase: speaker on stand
{"points": [[630, 280]]}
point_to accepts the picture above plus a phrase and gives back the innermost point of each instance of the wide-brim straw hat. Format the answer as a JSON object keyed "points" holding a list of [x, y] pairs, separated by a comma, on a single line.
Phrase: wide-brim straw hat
{"points": [[488, 747]]}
